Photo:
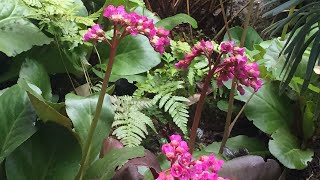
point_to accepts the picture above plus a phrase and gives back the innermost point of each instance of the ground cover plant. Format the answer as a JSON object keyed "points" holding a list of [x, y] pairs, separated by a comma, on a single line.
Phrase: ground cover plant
{"points": [[108, 90]]}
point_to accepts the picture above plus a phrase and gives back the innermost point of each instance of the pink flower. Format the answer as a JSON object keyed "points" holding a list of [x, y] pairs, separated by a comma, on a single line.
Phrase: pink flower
{"points": [[204, 168], [182, 148], [135, 24], [238, 50], [162, 176], [184, 175], [240, 89], [176, 170], [88, 36], [94, 33], [175, 140], [162, 32], [207, 46], [226, 47], [182, 64], [185, 159], [168, 150], [116, 14]]}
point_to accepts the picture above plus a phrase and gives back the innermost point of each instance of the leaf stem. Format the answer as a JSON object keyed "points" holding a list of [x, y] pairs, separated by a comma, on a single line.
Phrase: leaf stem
{"points": [[87, 146], [197, 115]]}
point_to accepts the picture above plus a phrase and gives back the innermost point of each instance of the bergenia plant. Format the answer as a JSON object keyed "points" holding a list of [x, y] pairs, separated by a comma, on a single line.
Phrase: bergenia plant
{"points": [[129, 23], [231, 63], [124, 24], [182, 166]]}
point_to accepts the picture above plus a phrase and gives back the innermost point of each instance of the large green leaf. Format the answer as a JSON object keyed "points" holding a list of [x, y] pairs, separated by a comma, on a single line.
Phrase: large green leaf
{"points": [[81, 111], [49, 56], [267, 109], [33, 72], [252, 37], [173, 21], [274, 61], [104, 168], [17, 33], [134, 55], [17, 120], [52, 153], [47, 111], [286, 148], [146, 13], [253, 145]]}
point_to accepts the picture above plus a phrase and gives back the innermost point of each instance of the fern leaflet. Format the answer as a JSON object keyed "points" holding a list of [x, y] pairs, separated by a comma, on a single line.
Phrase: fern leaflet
{"points": [[130, 123]]}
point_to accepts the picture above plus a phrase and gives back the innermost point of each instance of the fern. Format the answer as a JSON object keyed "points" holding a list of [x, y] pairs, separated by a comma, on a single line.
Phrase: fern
{"points": [[62, 18], [129, 122], [33, 3], [176, 107]]}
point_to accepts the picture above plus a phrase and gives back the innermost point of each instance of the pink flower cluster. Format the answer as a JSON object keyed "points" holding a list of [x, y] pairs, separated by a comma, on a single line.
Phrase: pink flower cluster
{"points": [[237, 65], [204, 48], [234, 65], [94, 33], [182, 168], [135, 24]]}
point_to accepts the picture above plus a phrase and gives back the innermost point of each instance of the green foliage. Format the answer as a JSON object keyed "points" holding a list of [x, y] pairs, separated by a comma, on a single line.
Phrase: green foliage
{"points": [[286, 148], [104, 168], [34, 73], [17, 120], [129, 122], [253, 145], [305, 34], [52, 153], [276, 110], [173, 21], [166, 100], [179, 49], [17, 33], [274, 115], [64, 19], [308, 124], [135, 55], [81, 111], [175, 106], [252, 37], [35, 81]]}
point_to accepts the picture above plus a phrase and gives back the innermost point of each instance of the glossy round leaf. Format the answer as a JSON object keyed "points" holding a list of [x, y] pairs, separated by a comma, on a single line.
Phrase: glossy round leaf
{"points": [[17, 120], [81, 111], [17, 33], [33, 72], [286, 148], [267, 109], [134, 55], [50, 154]]}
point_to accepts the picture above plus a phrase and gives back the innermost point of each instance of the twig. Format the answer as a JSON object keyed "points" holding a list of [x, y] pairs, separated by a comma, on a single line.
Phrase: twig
{"points": [[190, 28], [232, 18], [225, 19], [238, 115]]}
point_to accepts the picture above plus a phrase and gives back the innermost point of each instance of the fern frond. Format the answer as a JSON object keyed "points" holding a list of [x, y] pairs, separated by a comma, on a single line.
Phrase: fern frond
{"points": [[33, 3], [177, 108], [129, 122]]}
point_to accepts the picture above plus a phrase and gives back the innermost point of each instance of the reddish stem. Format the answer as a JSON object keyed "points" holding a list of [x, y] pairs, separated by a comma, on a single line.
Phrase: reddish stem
{"points": [[197, 116]]}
